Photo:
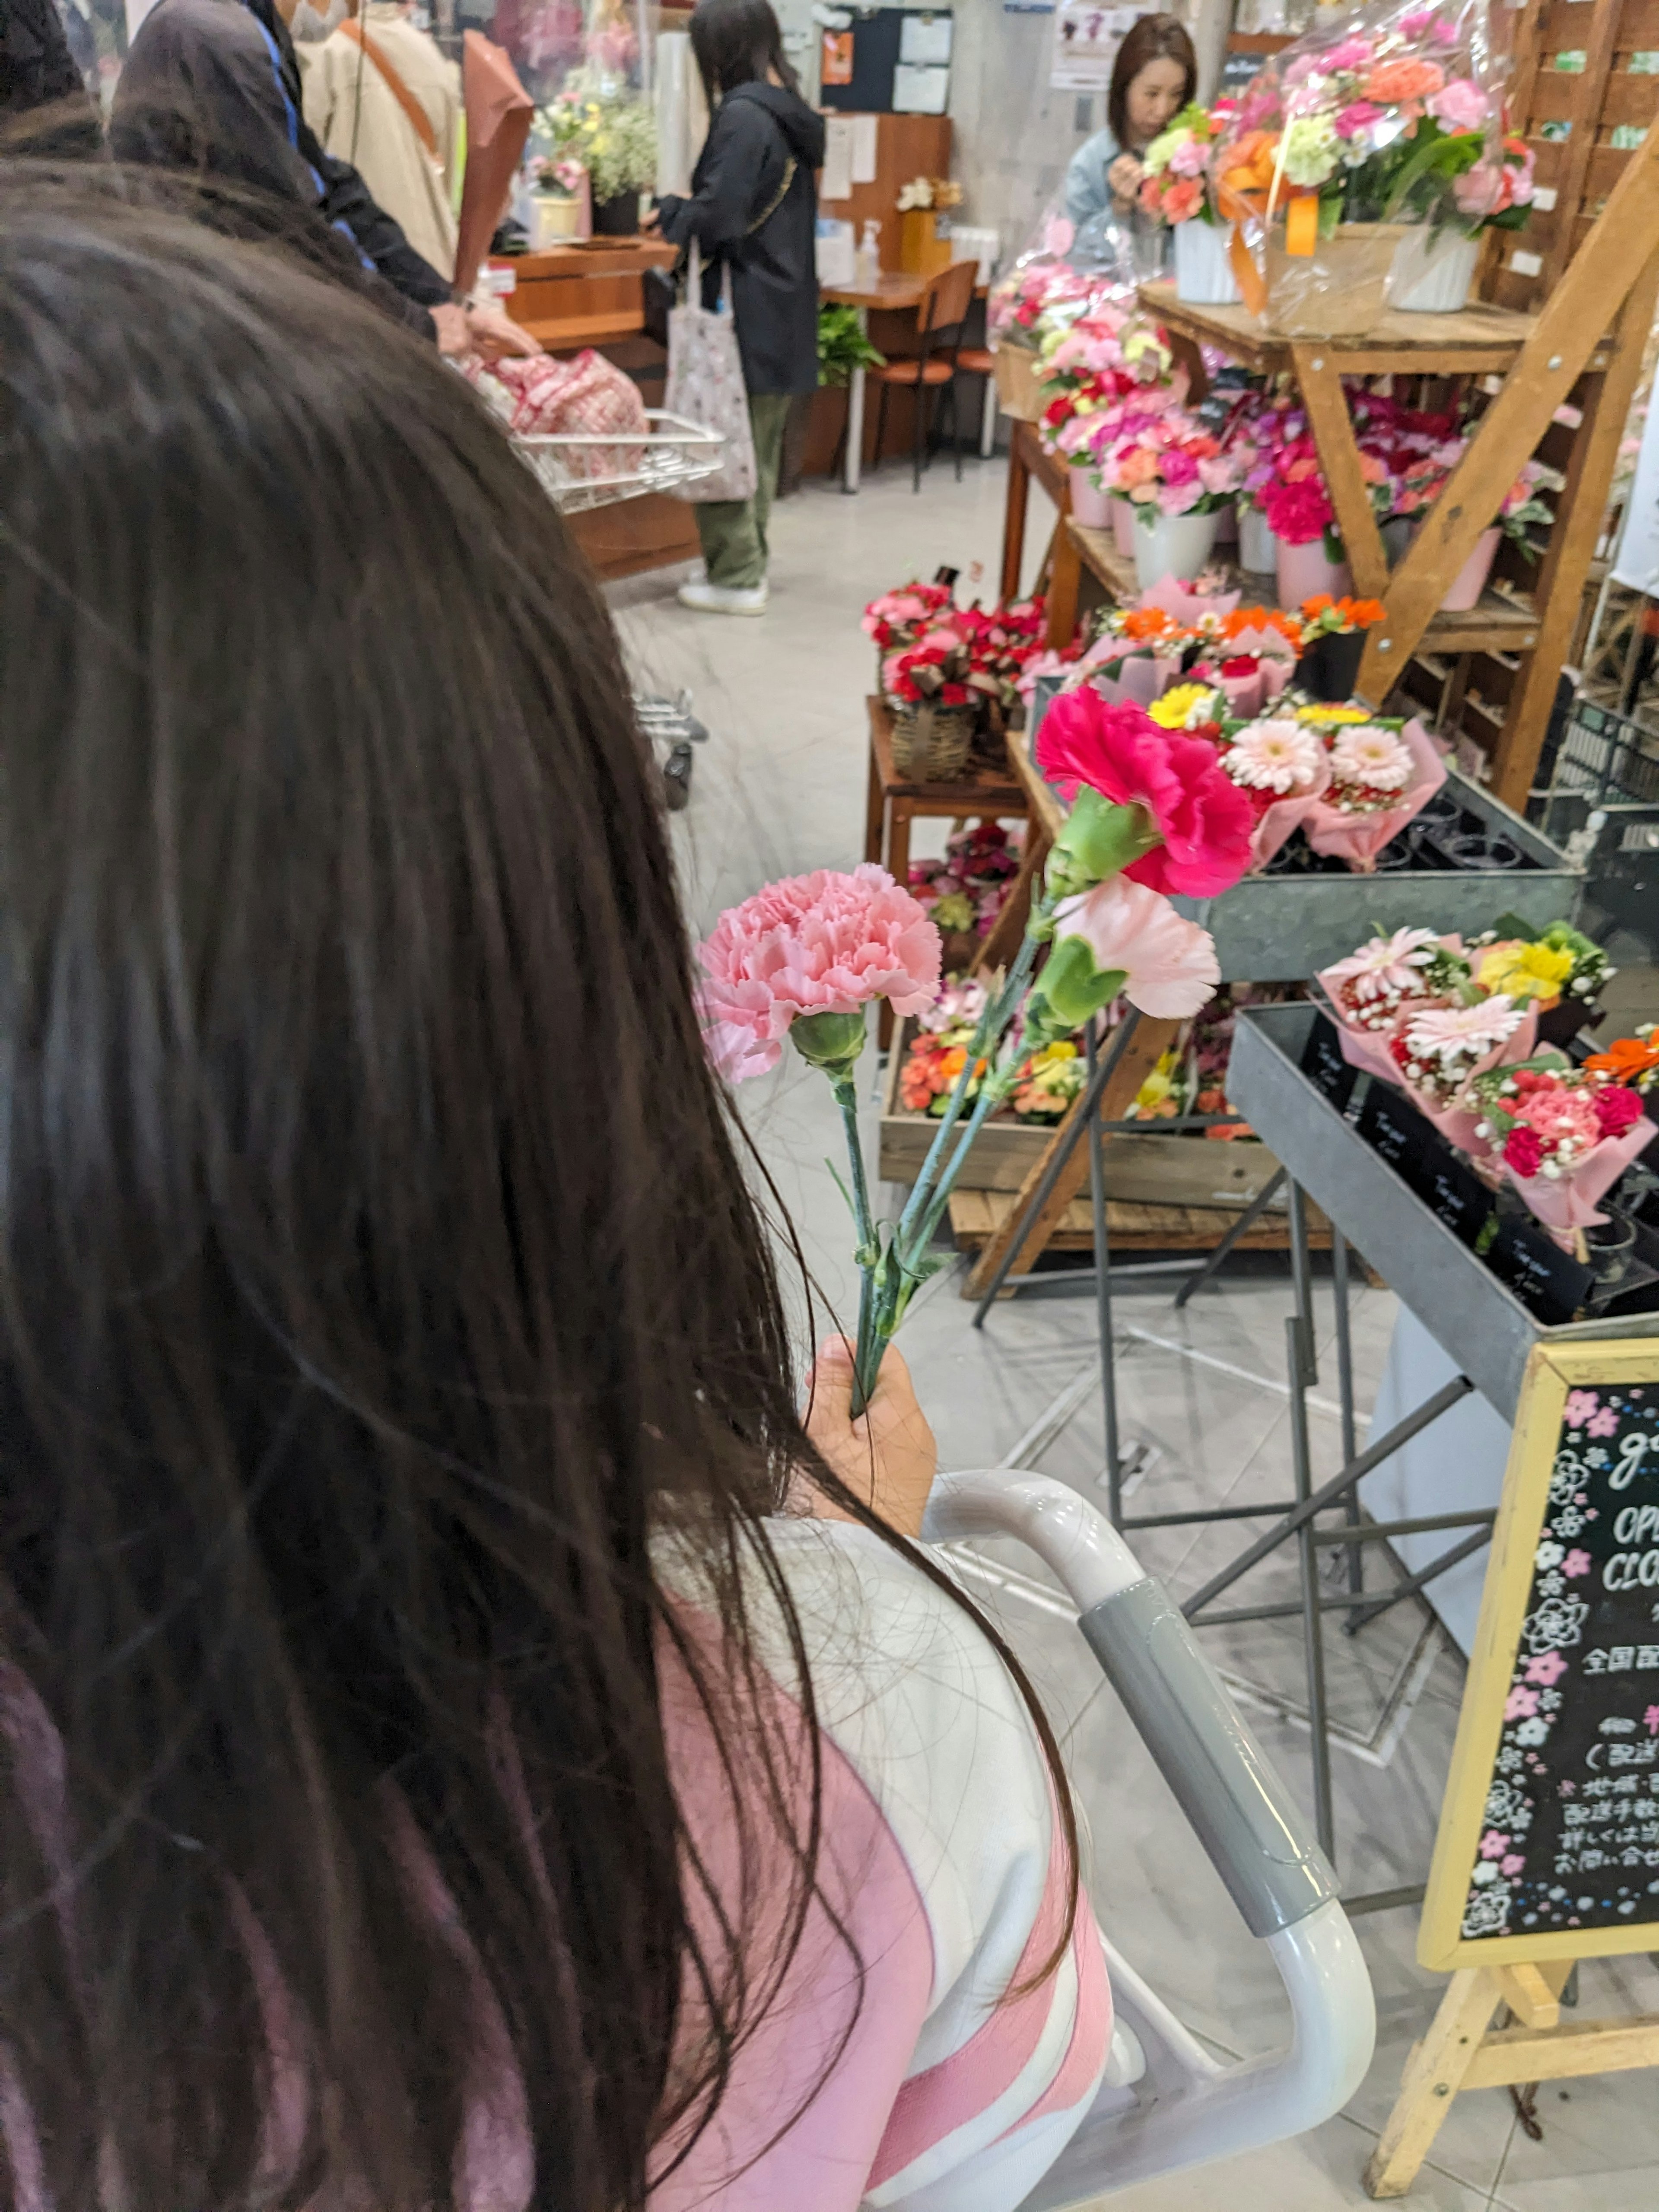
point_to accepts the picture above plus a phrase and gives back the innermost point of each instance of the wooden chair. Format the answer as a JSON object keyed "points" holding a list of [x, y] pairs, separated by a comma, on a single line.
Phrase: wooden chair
{"points": [[941, 312]]}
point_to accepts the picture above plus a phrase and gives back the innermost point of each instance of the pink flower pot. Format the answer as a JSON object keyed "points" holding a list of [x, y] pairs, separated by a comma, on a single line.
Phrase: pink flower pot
{"points": [[1304, 572], [1091, 505], [1123, 527], [1471, 579]]}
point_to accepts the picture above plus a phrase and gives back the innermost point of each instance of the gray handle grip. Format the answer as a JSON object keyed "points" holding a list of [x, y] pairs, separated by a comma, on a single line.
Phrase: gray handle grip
{"points": [[1275, 1871]]}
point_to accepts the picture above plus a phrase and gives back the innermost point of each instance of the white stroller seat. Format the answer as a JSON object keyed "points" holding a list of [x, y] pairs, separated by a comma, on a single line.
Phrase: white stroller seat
{"points": [[1165, 2103]]}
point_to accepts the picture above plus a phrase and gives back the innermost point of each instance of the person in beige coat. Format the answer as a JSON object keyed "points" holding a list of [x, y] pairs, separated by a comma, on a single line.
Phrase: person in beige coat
{"points": [[380, 94]]}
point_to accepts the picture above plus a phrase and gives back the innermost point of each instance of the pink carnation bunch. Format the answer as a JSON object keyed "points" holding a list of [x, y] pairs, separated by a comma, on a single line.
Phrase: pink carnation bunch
{"points": [[824, 943]]}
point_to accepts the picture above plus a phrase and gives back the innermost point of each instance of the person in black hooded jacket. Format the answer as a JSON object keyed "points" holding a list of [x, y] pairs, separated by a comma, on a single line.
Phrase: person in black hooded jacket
{"points": [[211, 89], [753, 213]]}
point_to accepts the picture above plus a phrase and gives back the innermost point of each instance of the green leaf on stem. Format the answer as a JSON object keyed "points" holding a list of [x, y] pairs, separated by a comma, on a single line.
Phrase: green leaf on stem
{"points": [[1071, 990]]}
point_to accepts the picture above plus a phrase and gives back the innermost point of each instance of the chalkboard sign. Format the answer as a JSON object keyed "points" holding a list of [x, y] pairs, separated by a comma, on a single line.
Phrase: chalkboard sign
{"points": [[1549, 1837], [1392, 1126], [1323, 1064]]}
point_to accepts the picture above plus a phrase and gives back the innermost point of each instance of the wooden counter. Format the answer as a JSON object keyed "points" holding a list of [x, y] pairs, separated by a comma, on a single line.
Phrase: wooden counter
{"points": [[573, 296]]}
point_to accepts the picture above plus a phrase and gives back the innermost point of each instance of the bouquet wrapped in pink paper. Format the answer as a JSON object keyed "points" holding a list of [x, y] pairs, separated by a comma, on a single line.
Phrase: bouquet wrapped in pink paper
{"points": [[1381, 775], [1283, 770], [1390, 977], [1564, 1135], [1440, 1051]]}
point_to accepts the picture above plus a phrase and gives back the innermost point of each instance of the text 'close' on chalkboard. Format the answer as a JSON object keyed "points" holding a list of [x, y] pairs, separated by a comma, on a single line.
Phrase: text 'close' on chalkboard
{"points": [[1570, 1836]]}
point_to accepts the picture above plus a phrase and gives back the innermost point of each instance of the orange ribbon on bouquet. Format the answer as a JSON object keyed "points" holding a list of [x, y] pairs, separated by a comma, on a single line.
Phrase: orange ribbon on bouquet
{"points": [[1249, 189]]}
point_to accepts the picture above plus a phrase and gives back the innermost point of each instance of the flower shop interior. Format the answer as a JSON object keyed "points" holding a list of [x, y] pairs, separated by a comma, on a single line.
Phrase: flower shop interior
{"points": [[1223, 598], [1322, 453]]}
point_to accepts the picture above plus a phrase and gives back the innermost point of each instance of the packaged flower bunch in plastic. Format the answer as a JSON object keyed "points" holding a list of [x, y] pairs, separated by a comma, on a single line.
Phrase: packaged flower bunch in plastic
{"points": [[1063, 274], [1351, 136], [1102, 380], [1174, 188], [1562, 1136]]}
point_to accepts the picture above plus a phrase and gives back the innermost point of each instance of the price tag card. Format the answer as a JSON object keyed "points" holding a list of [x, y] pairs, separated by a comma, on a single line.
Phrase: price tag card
{"points": [[1549, 1282], [1324, 1067], [1407, 1139]]}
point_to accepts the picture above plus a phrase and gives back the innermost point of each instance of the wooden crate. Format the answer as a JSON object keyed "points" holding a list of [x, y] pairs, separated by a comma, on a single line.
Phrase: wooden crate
{"points": [[1176, 1170], [977, 1214]]}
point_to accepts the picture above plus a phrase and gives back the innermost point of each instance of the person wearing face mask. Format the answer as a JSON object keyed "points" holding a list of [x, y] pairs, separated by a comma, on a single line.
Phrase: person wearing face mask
{"points": [[1154, 77], [211, 88], [380, 93]]}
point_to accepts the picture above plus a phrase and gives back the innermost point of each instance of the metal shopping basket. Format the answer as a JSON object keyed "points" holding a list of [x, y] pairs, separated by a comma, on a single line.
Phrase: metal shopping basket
{"points": [[673, 453], [1166, 2103]]}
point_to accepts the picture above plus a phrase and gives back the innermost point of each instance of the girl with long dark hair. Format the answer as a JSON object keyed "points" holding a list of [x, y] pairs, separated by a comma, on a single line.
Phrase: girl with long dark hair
{"points": [[468, 1745], [753, 215], [1154, 76]]}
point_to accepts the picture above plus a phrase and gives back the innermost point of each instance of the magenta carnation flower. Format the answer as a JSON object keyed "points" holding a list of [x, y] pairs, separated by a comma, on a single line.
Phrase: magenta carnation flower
{"points": [[823, 944], [1204, 819]]}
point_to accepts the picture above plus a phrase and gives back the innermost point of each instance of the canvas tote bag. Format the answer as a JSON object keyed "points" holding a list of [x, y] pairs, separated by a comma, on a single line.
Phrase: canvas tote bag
{"points": [[705, 386]]}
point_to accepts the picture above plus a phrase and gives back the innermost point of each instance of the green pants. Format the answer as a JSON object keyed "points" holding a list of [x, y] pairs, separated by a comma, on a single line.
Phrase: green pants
{"points": [[734, 531]]}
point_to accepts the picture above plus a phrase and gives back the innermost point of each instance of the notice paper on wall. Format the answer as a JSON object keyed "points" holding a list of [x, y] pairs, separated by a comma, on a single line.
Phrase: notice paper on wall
{"points": [[1086, 38], [836, 183], [925, 41], [920, 91], [864, 148]]}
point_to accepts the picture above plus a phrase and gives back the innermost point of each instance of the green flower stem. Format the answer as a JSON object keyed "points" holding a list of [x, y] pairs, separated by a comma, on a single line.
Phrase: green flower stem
{"points": [[869, 1249]]}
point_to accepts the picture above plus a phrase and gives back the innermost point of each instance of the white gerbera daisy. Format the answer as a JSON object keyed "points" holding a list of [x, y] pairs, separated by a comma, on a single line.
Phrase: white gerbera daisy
{"points": [[1272, 755], [1364, 754]]}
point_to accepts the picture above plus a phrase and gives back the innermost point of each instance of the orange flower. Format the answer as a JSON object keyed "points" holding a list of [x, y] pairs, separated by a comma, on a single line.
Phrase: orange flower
{"points": [[1312, 609], [1143, 625], [1243, 618], [1391, 82], [1251, 166], [1363, 612], [1626, 1059]]}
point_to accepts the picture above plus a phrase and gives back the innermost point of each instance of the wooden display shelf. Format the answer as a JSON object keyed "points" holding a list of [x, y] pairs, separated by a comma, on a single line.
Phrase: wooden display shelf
{"points": [[1478, 340], [586, 295], [1258, 42], [1495, 624], [976, 1217]]}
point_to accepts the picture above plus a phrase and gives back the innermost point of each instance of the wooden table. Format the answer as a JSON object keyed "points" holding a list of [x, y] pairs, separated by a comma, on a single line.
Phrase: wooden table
{"points": [[573, 296], [894, 801], [893, 292]]}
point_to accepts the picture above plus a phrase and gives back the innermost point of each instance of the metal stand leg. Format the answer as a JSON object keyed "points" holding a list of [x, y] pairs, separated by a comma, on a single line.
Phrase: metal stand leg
{"points": [[1324, 1813], [1345, 1381], [1252, 1214], [1103, 1295], [987, 420], [1308, 1362], [1087, 1111], [853, 463]]}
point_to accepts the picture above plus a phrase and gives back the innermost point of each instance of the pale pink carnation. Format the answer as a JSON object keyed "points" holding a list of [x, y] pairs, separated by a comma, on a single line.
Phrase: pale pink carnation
{"points": [[1171, 963], [1562, 1117], [1358, 116], [1365, 755], [1460, 105], [1272, 755], [823, 944]]}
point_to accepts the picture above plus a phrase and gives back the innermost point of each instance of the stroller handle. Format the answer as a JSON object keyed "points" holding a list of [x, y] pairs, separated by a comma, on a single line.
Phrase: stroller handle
{"points": [[1256, 1836]]}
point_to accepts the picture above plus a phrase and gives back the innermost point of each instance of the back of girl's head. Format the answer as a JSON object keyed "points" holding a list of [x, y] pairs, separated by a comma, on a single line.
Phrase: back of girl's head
{"points": [[373, 1263], [737, 42], [1149, 38]]}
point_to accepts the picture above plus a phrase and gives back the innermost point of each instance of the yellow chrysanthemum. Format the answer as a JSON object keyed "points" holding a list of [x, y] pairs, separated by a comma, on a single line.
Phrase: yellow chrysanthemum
{"points": [[1182, 705], [1525, 971]]}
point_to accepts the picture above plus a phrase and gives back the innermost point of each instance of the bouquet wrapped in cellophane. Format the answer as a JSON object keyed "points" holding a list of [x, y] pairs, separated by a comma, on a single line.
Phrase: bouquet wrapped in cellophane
{"points": [[1353, 135]]}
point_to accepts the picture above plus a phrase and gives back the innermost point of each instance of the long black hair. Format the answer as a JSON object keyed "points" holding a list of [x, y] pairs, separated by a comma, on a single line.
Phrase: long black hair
{"points": [[378, 1284], [1148, 39], [737, 42]]}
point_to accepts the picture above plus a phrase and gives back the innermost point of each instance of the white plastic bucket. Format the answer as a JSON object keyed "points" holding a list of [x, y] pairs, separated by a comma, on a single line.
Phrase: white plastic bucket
{"points": [[1432, 280], [1174, 545], [1204, 274]]}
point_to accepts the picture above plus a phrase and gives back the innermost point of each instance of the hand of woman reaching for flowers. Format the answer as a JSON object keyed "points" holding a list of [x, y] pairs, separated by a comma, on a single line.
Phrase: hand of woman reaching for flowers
{"points": [[887, 1456], [1124, 177]]}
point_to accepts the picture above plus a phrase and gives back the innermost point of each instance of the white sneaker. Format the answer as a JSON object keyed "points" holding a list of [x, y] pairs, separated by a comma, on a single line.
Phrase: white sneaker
{"points": [[724, 599]]}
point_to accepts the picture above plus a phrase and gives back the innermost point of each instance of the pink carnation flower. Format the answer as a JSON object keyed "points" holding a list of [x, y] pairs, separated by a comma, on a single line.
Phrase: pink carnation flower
{"points": [[1358, 116], [1460, 105], [823, 944], [1561, 1117], [1170, 963]]}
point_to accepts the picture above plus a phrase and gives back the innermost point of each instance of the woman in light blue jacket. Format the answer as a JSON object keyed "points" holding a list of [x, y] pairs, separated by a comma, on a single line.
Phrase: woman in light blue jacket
{"points": [[1154, 77]]}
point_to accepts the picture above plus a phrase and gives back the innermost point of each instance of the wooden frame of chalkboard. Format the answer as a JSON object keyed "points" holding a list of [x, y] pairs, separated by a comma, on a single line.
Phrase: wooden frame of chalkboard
{"points": [[1555, 1603], [1548, 1845]]}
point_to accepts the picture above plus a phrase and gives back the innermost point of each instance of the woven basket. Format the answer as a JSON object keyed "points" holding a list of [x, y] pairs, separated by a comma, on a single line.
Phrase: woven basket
{"points": [[931, 744], [1017, 392]]}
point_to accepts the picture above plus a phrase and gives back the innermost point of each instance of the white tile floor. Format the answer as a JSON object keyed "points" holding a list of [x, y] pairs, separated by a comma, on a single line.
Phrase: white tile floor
{"points": [[779, 789]]}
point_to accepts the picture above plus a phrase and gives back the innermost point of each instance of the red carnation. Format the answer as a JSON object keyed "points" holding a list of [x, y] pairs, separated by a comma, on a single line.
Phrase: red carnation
{"points": [[1616, 1108], [1522, 1150], [1203, 817]]}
